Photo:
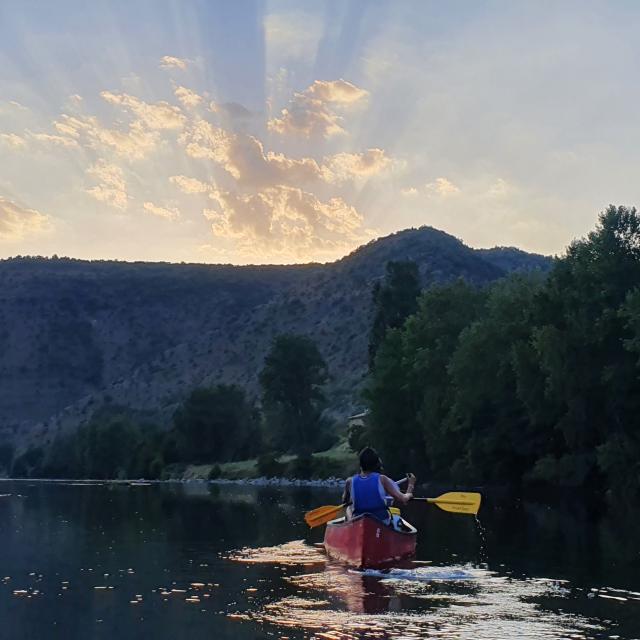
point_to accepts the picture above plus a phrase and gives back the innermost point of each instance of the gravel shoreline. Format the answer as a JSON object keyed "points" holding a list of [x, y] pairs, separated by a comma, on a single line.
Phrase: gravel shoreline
{"points": [[258, 482]]}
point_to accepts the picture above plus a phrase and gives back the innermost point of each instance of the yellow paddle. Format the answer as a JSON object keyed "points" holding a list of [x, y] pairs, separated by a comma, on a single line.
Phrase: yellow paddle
{"points": [[454, 501], [322, 515]]}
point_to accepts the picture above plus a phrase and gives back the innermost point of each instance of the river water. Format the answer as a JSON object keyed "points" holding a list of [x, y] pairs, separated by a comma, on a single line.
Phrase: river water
{"points": [[211, 561]]}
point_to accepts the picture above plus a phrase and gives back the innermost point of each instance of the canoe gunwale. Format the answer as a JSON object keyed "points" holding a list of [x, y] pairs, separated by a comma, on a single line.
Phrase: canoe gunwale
{"points": [[345, 522]]}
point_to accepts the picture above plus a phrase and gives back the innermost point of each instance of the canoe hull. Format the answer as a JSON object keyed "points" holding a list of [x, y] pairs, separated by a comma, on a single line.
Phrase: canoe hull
{"points": [[365, 542]]}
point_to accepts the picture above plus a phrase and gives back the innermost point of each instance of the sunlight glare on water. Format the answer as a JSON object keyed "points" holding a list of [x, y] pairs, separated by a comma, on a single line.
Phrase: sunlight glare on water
{"points": [[425, 602], [293, 553]]}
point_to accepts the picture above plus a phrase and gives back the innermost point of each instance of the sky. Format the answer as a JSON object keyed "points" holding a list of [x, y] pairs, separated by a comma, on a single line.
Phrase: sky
{"points": [[279, 132]]}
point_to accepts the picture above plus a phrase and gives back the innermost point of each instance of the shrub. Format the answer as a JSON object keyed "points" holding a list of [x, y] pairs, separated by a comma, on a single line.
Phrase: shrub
{"points": [[269, 466]]}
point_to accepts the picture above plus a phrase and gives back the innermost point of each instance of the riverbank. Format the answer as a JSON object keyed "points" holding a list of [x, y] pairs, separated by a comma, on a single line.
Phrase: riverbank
{"points": [[257, 482], [322, 466]]}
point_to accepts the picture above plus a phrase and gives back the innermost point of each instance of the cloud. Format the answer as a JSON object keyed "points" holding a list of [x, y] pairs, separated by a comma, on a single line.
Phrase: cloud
{"points": [[111, 188], [137, 139], [58, 141], [189, 185], [20, 142], [187, 97], [134, 143], [171, 62], [339, 91], [441, 187], [203, 140], [346, 166], [17, 222], [230, 110], [13, 140], [12, 105], [244, 157], [409, 192], [283, 221], [313, 112], [168, 213], [154, 116]]}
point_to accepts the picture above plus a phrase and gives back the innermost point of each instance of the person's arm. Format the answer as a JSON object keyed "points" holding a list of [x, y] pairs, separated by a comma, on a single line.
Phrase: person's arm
{"points": [[346, 494], [392, 490]]}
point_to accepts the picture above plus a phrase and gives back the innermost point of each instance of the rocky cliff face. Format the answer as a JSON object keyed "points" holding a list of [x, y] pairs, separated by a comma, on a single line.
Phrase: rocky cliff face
{"points": [[75, 335]]}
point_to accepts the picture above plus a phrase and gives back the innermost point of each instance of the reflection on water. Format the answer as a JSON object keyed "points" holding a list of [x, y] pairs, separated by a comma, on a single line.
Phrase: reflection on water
{"points": [[292, 553], [439, 602], [200, 561]]}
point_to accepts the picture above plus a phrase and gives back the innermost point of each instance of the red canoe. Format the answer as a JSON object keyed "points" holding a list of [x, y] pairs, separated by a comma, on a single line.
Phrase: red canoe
{"points": [[365, 542]]}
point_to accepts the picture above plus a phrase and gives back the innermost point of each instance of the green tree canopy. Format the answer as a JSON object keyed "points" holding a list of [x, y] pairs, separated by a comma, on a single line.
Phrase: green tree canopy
{"points": [[533, 379], [292, 379], [216, 425], [394, 301]]}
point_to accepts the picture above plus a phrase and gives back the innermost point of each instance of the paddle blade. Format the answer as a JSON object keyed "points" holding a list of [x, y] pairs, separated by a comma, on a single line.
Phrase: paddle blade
{"points": [[322, 515], [457, 502]]}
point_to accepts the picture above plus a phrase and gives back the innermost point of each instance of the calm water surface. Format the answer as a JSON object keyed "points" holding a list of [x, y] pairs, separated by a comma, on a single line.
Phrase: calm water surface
{"points": [[208, 561]]}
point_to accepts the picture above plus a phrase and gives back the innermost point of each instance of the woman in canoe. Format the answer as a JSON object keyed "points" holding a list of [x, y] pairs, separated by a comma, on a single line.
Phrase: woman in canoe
{"points": [[371, 492]]}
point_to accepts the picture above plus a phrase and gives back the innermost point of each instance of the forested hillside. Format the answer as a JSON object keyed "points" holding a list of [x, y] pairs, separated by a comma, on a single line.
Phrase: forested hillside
{"points": [[532, 380], [76, 336]]}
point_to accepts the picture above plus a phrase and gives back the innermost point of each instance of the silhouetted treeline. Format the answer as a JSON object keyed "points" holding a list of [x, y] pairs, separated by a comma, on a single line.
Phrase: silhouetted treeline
{"points": [[533, 379], [212, 426]]}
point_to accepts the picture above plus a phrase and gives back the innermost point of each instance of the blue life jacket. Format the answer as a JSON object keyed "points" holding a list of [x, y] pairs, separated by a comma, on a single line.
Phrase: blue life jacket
{"points": [[368, 496]]}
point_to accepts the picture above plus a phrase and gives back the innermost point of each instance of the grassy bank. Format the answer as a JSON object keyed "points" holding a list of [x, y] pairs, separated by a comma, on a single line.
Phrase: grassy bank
{"points": [[337, 462]]}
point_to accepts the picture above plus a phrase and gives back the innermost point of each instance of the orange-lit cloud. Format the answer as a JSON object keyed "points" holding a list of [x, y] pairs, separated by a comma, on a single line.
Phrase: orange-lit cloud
{"points": [[188, 98], [346, 166], [261, 201], [18, 222], [13, 140], [134, 142], [313, 112], [111, 187], [58, 141], [190, 185], [283, 220], [442, 187], [154, 116], [168, 213], [172, 62]]}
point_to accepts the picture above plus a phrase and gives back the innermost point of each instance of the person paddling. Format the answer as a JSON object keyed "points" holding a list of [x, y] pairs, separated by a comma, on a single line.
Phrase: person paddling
{"points": [[371, 492]]}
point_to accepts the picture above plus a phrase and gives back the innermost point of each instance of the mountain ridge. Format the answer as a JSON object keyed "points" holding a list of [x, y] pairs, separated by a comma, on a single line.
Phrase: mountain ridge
{"points": [[75, 335]]}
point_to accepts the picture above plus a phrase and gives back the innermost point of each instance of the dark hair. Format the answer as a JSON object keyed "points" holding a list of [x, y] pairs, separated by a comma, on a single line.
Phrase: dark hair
{"points": [[370, 460]]}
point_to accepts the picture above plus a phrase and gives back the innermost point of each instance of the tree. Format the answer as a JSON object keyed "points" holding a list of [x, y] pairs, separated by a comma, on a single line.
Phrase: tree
{"points": [[292, 379], [216, 425], [409, 392], [6, 455], [394, 302], [532, 379]]}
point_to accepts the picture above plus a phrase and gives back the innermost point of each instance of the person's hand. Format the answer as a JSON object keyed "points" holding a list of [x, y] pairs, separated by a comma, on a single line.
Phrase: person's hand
{"points": [[411, 482]]}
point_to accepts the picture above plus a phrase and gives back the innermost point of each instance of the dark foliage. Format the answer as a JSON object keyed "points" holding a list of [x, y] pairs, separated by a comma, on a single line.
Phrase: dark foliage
{"points": [[531, 380], [217, 425], [394, 301], [292, 379]]}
